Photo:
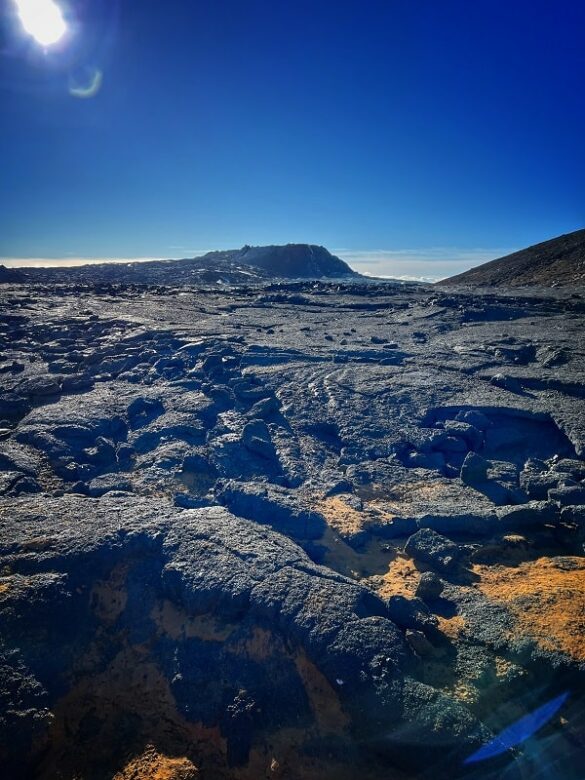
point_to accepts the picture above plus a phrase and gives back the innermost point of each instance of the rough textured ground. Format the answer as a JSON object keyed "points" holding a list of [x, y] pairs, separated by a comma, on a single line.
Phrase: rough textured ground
{"points": [[559, 262], [299, 531]]}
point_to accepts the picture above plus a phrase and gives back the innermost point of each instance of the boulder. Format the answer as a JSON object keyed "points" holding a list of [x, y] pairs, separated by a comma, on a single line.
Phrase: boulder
{"points": [[273, 506], [469, 433], [107, 483], [534, 513], [410, 613], [536, 484], [474, 418], [38, 386], [429, 587], [574, 514], [419, 642], [506, 382], [256, 439], [430, 547], [264, 408], [474, 469], [480, 523], [570, 467], [571, 495]]}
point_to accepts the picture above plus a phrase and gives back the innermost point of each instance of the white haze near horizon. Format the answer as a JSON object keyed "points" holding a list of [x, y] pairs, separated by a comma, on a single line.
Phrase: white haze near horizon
{"points": [[427, 265]]}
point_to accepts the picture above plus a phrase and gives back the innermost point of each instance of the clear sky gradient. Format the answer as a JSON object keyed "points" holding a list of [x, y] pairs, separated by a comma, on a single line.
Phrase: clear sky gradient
{"points": [[412, 137]]}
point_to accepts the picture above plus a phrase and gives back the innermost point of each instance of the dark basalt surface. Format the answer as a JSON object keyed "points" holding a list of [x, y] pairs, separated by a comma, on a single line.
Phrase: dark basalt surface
{"points": [[298, 531]]}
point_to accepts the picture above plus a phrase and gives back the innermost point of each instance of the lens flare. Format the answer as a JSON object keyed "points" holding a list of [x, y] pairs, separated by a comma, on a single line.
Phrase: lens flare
{"points": [[85, 82], [519, 731], [42, 19]]}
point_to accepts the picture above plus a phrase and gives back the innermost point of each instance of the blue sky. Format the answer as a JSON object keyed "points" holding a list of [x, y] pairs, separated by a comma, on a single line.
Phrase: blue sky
{"points": [[413, 137]]}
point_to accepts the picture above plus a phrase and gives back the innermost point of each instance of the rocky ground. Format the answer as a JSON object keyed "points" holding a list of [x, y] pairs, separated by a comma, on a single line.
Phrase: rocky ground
{"points": [[310, 530]]}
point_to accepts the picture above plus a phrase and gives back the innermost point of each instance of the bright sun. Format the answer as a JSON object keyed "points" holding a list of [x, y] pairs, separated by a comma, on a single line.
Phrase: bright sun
{"points": [[42, 19]]}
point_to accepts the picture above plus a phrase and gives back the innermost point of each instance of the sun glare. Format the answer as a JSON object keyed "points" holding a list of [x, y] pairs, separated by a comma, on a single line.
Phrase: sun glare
{"points": [[42, 19]]}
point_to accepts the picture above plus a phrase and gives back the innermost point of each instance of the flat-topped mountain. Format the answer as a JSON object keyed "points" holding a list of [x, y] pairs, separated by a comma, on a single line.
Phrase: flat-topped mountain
{"points": [[293, 261], [559, 262], [233, 266]]}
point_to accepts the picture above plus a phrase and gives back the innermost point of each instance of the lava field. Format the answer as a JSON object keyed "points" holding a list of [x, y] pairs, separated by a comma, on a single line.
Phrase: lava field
{"points": [[297, 530]]}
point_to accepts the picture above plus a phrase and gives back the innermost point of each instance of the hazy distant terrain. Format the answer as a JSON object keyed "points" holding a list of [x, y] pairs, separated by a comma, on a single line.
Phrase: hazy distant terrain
{"points": [[235, 266], [558, 262]]}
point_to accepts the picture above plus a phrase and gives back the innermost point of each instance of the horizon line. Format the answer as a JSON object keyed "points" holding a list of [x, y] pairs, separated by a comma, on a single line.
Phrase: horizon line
{"points": [[435, 254]]}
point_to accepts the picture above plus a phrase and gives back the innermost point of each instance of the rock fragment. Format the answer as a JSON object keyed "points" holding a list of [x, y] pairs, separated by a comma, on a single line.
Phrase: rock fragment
{"points": [[429, 587], [430, 547]]}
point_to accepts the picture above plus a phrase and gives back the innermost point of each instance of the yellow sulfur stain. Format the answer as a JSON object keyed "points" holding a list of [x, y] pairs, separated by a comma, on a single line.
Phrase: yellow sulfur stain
{"points": [[340, 516], [546, 597], [451, 627], [152, 765], [401, 579]]}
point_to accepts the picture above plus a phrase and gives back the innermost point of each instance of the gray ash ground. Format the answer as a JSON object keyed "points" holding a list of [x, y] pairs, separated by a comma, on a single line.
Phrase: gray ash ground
{"points": [[306, 530]]}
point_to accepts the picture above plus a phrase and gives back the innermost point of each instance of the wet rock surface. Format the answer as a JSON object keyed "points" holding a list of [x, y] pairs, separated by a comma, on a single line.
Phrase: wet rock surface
{"points": [[300, 530]]}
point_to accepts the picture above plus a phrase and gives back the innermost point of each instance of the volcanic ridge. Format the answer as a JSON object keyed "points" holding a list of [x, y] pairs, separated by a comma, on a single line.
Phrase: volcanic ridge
{"points": [[559, 262]]}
